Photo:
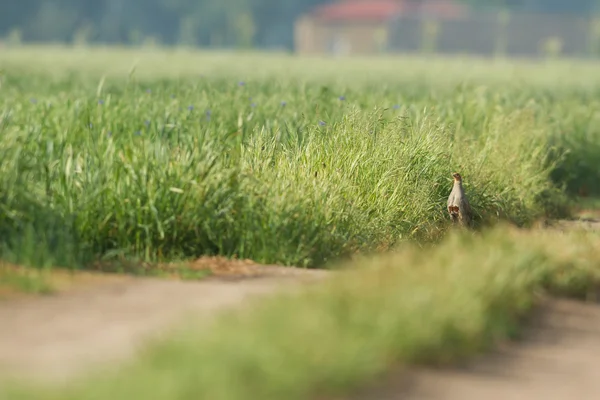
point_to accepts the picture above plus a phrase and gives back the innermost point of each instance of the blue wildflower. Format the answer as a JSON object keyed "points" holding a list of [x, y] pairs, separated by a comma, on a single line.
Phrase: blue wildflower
{"points": [[253, 105], [190, 108], [33, 101], [101, 102], [396, 106], [138, 133], [322, 123], [208, 114], [283, 104], [147, 123], [342, 98], [242, 83], [109, 134]]}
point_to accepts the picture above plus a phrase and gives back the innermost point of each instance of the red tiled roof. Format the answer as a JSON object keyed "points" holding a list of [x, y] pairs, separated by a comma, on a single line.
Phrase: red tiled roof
{"points": [[364, 10], [382, 10]]}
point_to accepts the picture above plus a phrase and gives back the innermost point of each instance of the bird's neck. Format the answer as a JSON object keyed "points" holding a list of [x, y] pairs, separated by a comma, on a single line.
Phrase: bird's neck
{"points": [[458, 184]]}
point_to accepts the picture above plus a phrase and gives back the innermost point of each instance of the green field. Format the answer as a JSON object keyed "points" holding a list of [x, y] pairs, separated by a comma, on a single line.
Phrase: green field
{"points": [[161, 155], [165, 154]]}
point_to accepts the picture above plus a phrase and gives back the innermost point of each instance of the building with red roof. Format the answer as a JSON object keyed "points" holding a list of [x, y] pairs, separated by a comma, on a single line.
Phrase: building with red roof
{"points": [[360, 26], [443, 27]]}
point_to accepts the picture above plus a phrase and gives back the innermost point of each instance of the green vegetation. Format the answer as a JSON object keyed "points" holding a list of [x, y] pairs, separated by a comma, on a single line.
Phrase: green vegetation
{"points": [[122, 159], [407, 307], [169, 155], [23, 280]]}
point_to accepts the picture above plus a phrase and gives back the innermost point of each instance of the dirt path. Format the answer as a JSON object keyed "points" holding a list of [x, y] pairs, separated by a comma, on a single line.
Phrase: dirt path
{"points": [[558, 360], [106, 319]]}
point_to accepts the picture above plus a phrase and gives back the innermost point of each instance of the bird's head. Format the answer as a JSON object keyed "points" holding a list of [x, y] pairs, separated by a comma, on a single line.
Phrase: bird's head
{"points": [[457, 177]]}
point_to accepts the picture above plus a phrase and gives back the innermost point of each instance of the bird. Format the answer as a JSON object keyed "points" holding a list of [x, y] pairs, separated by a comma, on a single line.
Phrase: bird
{"points": [[458, 204]]}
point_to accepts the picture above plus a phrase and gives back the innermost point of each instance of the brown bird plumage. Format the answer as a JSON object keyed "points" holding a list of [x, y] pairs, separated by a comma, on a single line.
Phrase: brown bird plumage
{"points": [[458, 204]]}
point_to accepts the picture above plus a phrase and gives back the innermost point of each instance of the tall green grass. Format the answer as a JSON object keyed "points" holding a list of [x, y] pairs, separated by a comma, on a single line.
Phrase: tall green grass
{"points": [[281, 160], [435, 307]]}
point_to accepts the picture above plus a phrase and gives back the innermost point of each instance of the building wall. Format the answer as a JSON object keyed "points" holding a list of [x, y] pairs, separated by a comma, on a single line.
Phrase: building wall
{"points": [[313, 37], [479, 34]]}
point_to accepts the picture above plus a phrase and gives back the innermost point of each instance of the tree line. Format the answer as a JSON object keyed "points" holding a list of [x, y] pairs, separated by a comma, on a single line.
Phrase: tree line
{"points": [[215, 23]]}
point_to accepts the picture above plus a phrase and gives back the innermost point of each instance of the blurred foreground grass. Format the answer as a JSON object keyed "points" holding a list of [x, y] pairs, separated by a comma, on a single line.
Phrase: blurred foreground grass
{"points": [[410, 306]]}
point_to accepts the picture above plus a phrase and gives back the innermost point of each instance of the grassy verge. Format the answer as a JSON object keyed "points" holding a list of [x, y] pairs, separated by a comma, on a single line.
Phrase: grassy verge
{"points": [[15, 280], [413, 306], [274, 158]]}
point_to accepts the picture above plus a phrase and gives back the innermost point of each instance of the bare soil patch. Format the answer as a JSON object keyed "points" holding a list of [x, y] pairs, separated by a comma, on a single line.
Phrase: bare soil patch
{"points": [[102, 318], [557, 360]]}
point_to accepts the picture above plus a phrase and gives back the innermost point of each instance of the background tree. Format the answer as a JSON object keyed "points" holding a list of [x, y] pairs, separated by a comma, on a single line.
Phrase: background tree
{"points": [[227, 23]]}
